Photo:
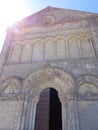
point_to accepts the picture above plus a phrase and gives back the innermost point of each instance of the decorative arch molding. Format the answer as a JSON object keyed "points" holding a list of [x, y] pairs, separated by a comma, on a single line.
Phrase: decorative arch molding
{"points": [[62, 37], [84, 79], [48, 39], [12, 81], [72, 37], [84, 36], [49, 77], [52, 47], [16, 42], [26, 42], [88, 89], [37, 40]]}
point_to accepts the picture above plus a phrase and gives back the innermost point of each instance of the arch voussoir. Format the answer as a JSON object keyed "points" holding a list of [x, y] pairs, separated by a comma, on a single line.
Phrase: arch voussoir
{"points": [[49, 77]]}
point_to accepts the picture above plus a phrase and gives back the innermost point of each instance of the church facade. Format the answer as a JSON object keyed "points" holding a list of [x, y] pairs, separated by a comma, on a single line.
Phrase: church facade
{"points": [[49, 72]]}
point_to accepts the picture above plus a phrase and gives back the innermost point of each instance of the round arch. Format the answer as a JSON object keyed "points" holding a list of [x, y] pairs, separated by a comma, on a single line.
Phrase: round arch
{"points": [[62, 82], [60, 38], [49, 77], [87, 79], [11, 81]]}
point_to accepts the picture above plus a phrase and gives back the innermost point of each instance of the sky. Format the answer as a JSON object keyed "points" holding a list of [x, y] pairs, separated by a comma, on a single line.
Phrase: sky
{"points": [[12, 11]]}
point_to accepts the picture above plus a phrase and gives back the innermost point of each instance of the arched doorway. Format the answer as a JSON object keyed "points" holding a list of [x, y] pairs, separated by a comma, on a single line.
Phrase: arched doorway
{"points": [[36, 116], [48, 113]]}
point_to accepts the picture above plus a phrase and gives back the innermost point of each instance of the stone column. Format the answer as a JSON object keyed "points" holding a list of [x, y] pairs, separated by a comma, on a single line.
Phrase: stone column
{"points": [[73, 123], [21, 103], [24, 112], [76, 113], [64, 112], [33, 112], [27, 119]]}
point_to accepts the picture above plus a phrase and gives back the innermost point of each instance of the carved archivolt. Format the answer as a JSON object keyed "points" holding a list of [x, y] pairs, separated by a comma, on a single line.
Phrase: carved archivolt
{"points": [[87, 88], [10, 86], [87, 85], [89, 79], [49, 77]]}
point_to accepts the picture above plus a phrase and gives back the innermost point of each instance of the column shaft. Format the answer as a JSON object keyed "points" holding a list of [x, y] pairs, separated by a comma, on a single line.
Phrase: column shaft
{"points": [[33, 113], [23, 118], [19, 115], [27, 119], [73, 123], [64, 117]]}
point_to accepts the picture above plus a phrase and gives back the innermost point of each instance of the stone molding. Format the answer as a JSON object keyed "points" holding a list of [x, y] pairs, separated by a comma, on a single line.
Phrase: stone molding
{"points": [[54, 77], [46, 77], [90, 91], [10, 82], [59, 26], [86, 78], [65, 35]]}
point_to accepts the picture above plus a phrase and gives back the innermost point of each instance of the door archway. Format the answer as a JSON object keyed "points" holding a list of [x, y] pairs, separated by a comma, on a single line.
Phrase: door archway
{"points": [[63, 84], [48, 112]]}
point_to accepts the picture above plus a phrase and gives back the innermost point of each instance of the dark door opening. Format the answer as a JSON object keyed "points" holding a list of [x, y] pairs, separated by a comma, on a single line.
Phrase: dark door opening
{"points": [[55, 119], [48, 114]]}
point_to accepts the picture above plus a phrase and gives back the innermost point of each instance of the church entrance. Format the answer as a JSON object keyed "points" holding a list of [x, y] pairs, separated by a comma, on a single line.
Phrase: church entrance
{"points": [[48, 113]]}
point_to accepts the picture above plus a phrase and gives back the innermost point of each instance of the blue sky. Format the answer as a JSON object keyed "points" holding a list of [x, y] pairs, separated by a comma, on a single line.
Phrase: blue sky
{"points": [[15, 10], [83, 5]]}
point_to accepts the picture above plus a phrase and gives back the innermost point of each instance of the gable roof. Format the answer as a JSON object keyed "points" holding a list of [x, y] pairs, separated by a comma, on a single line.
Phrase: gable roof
{"points": [[60, 15]]}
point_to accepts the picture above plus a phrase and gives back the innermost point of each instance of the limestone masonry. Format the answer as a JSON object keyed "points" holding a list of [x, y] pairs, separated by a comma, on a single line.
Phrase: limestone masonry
{"points": [[53, 49]]}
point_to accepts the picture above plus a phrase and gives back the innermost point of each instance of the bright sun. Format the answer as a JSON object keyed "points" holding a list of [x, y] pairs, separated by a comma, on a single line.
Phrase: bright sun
{"points": [[10, 12]]}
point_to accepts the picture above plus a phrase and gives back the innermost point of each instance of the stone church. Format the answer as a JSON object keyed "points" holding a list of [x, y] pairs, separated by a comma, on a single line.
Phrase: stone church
{"points": [[49, 72]]}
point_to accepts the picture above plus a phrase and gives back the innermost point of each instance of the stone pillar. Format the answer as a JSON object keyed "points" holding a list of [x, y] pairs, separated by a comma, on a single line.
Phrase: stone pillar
{"points": [[93, 22], [21, 103], [27, 120], [76, 112], [64, 112], [33, 112], [73, 123], [24, 112]]}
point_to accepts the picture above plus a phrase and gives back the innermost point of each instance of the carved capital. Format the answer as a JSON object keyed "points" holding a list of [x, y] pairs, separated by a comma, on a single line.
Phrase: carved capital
{"points": [[71, 96], [63, 99], [36, 99]]}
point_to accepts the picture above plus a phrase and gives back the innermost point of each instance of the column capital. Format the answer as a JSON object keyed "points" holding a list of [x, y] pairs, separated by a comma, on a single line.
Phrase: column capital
{"points": [[36, 99], [65, 98], [71, 96], [62, 99]]}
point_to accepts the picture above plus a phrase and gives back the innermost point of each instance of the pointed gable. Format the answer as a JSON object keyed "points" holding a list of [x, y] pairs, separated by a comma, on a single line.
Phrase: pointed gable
{"points": [[51, 15]]}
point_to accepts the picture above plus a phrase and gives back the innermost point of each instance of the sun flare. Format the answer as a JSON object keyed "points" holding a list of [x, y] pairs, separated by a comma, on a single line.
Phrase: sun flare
{"points": [[11, 11]]}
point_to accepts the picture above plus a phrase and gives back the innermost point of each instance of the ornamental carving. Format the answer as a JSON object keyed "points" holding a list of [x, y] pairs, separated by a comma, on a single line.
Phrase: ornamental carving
{"points": [[58, 47], [48, 20], [87, 88], [49, 77], [87, 78], [10, 86]]}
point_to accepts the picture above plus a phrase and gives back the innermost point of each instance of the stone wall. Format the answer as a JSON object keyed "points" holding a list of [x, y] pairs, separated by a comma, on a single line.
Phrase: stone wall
{"points": [[58, 51]]}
